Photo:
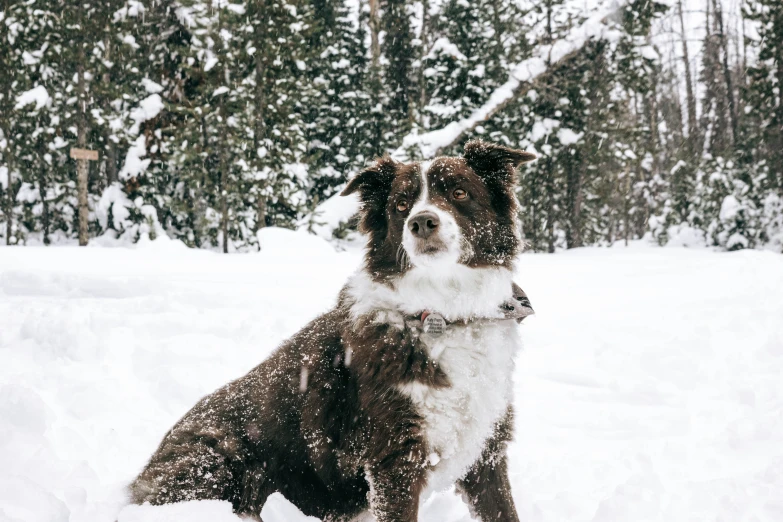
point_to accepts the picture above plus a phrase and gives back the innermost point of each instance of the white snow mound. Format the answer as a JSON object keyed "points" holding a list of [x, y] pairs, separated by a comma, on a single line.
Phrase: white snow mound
{"points": [[279, 509]]}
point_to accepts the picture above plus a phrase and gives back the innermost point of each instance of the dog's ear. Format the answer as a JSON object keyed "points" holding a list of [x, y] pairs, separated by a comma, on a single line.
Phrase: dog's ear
{"points": [[374, 186], [488, 159], [374, 182]]}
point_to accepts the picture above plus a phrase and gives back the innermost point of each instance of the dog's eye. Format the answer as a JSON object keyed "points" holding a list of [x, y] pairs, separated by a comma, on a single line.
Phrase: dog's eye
{"points": [[402, 205], [460, 194]]}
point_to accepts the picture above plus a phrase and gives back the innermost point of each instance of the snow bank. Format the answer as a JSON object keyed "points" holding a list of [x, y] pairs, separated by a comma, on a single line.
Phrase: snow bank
{"points": [[649, 388], [22, 500]]}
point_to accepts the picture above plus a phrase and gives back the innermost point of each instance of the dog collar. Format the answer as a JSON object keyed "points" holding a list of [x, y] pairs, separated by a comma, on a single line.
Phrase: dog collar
{"points": [[516, 308]]}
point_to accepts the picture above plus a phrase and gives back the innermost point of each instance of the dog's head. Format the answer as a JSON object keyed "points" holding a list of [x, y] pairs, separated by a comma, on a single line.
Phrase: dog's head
{"points": [[455, 210]]}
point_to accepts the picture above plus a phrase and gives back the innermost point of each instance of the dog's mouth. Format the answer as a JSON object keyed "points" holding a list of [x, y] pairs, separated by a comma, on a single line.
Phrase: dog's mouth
{"points": [[431, 247]]}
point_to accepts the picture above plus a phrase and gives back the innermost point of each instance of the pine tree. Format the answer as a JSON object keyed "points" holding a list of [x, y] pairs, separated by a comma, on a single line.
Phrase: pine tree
{"points": [[339, 133], [399, 53], [475, 45]]}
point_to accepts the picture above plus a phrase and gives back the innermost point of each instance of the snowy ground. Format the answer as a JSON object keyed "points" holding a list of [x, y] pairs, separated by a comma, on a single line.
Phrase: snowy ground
{"points": [[649, 389]]}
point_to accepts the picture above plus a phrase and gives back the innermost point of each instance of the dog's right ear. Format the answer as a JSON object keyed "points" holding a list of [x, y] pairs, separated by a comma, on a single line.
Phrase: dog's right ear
{"points": [[374, 187], [374, 182]]}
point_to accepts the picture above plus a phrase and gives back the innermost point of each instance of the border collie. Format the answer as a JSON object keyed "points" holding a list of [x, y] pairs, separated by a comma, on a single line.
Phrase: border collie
{"points": [[403, 388]]}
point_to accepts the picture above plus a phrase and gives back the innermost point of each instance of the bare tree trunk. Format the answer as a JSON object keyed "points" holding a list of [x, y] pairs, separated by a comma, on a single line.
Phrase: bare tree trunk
{"points": [[9, 200], [780, 114], [576, 210], [261, 210], [223, 160], [260, 133], [726, 71], [498, 36], [550, 189], [224, 202], [652, 109], [110, 146], [111, 161], [691, 99], [223, 183], [626, 205], [82, 165], [424, 37], [42, 195], [375, 29], [550, 207]]}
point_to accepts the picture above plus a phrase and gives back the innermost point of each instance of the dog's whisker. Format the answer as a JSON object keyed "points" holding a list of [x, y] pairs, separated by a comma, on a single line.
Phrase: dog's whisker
{"points": [[402, 257]]}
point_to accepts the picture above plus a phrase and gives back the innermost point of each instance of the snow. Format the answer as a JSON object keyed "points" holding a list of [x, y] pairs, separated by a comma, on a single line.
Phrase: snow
{"points": [[649, 387], [542, 128], [684, 235], [729, 208], [428, 144], [193, 511], [329, 215], [568, 136], [134, 164], [220, 90], [132, 9], [113, 201], [37, 95], [443, 45], [148, 108], [649, 53], [150, 86], [279, 509]]}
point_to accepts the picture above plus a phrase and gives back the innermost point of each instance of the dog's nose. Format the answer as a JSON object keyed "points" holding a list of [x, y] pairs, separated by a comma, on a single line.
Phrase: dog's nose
{"points": [[423, 224]]}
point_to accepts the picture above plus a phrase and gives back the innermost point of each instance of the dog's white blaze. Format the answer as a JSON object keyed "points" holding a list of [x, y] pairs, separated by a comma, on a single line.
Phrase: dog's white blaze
{"points": [[479, 361], [449, 231]]}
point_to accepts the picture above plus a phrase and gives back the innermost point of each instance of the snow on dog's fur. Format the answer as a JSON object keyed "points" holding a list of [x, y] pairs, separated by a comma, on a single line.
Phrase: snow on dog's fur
{"points": [[361, 410]]}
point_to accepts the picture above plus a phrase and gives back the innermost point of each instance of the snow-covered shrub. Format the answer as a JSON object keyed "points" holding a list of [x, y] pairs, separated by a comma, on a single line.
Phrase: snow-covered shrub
{"points": [[119, 217]]}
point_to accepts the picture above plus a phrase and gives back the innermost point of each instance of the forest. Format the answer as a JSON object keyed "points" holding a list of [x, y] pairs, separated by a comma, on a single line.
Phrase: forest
{"points": [[652, 119]]}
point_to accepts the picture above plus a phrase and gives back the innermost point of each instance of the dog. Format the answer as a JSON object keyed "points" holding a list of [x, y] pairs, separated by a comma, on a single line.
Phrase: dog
{"points": [[403, 388]]}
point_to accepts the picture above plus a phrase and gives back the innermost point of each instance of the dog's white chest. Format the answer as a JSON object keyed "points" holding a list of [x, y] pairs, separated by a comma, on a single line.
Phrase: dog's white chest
{"points": [[478, 359]]}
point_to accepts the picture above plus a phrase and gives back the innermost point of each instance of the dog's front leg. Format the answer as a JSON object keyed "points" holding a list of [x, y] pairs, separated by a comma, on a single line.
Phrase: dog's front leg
{"points": [[396, 462], [395, 488], [486, 487], [387, 357]]}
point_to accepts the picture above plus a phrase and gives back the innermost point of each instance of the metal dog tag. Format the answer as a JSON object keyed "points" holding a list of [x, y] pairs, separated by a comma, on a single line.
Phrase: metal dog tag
{"points": [[434, 325]]}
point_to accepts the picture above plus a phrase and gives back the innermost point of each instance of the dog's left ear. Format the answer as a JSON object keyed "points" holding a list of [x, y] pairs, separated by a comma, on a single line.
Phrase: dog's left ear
{"points": [[488, 159]]}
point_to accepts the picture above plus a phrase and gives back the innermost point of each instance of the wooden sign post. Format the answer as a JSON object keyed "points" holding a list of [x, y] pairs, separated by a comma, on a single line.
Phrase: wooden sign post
{"points": [[82, 156]]}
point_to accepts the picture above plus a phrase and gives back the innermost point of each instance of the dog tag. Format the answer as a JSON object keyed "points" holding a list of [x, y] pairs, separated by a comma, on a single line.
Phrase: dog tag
{"points": [[434, 325]]}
